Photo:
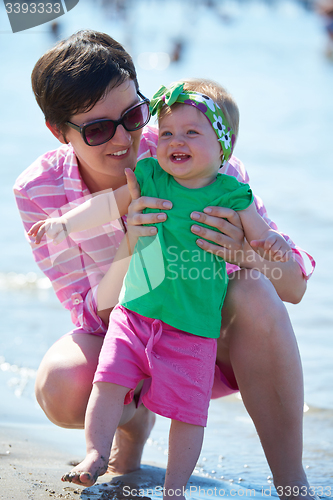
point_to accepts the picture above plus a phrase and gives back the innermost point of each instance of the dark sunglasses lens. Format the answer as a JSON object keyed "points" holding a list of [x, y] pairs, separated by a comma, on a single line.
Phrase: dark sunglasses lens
{"points": [[137, 117], [99, 132]]}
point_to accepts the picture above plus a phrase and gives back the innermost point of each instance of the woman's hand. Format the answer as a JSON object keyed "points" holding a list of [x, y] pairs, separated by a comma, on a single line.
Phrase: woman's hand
{"points": [[228, 241], [135, 217]]}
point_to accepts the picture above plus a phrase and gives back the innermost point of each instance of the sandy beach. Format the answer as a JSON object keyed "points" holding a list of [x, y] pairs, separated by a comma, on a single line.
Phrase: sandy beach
{"points": [[31, 468]]}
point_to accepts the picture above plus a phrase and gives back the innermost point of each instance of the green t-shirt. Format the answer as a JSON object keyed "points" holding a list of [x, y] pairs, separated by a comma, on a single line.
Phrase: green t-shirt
{"points": [[170, 278]]}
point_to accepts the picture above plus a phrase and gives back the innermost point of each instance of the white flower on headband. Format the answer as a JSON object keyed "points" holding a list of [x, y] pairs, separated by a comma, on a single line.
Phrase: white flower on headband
{"points": [[210, 103], [205, 99], [226, 139], [218, 125]]}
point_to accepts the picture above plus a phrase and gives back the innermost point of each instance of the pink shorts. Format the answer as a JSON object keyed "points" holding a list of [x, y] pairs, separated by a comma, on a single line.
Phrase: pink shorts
{"points": [[180, 366], [222, 386]]}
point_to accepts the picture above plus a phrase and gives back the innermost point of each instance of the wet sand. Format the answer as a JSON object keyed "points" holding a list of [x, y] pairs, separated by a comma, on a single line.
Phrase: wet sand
{"points": [[31, 468]]}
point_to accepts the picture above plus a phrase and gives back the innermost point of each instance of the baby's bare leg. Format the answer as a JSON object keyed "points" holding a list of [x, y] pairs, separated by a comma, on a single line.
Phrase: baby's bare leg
{"points": [[185, 442], [104, 411]]}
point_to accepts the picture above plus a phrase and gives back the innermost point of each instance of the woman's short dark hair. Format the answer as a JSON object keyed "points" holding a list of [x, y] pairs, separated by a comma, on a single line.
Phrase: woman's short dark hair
{"points": [[74, 75]]}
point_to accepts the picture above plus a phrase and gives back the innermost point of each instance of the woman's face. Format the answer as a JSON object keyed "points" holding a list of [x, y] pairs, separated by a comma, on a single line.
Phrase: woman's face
{"points": [[102, 167]]}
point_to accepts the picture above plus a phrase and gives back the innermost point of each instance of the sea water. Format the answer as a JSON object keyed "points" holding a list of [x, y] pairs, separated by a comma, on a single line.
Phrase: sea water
{"points": [[271, 58]]}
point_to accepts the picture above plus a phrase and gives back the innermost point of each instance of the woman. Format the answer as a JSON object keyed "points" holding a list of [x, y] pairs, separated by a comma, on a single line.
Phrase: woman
{"points": [[87, 88]]}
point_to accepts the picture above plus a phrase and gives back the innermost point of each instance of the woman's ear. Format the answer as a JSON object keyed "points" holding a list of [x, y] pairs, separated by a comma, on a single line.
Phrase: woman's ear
{"points": [[56, 132]]}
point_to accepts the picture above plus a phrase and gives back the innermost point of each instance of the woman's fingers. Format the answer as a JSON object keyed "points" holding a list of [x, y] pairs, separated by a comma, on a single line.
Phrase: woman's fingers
{"points": [[137, 231], [138, 218], [220, 251], [230, 232], [139, 202], [226, 213], [135, 216], [148, 202], [228, 241], [132, 183]]}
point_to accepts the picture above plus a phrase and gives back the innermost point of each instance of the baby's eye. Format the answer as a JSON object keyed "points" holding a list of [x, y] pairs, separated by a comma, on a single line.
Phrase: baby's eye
{"points": [[165, 133], [191, 132]]}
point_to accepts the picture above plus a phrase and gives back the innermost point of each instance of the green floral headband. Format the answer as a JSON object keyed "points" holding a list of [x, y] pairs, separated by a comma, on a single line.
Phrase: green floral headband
{"points": [[176, 93]]}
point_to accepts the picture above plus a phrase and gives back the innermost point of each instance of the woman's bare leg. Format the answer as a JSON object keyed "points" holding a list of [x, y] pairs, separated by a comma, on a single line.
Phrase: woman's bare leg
{"points": [[185, 442], [63, 386], [258, 349]]}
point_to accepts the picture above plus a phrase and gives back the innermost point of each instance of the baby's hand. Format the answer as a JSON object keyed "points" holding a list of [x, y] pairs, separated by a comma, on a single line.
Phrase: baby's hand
{"points": [[55, 229], [273, 247]]}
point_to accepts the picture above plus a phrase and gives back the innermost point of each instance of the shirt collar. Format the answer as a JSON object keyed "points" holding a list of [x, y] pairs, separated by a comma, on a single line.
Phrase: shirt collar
{"points": [[74, 186]]}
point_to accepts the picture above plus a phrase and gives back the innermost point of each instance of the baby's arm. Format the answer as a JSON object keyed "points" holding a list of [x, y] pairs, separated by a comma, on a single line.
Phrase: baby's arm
{"points": [[262, 238], [111, 283], [95, 212], [109, 287]]}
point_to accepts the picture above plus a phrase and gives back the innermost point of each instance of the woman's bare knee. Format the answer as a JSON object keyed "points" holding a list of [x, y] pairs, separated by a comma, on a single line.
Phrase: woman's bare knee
{"points": [[252, 307], [252, 285], [250, 292], [256, 332]]}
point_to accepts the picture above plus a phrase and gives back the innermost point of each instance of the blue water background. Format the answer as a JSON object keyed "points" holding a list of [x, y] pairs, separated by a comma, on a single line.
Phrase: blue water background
{"points": [[271, 58]]}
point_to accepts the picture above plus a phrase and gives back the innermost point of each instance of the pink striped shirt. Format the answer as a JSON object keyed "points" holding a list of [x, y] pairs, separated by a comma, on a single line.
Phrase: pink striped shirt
{"points": [[53, 185]]}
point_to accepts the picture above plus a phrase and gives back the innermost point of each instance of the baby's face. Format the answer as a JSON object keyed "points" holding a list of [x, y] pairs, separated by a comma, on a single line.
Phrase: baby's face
{"points": [[188, 148]]}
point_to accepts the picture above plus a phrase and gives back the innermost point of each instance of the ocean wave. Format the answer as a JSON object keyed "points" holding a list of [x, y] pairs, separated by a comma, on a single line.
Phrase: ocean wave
{"points": [[19, 376], [18, 281], [319, 412]]}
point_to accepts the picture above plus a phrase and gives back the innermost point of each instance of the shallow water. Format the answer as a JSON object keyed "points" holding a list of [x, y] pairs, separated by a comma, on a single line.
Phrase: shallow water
{"points": [[272, 60]]}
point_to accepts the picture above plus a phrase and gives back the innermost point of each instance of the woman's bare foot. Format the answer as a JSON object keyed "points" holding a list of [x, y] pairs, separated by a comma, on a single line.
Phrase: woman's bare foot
{"points": [[129, 442], [297, 490], [87, 472]]}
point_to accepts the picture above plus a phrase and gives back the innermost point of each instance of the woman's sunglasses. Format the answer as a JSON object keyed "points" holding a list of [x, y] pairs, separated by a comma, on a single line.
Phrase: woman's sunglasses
{"points": [[98, 132]]}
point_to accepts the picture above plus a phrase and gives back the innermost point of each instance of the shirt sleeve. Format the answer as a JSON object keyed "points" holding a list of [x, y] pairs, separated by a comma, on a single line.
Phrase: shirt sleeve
{"points": [[144, 173], [239, 195], [148, 143], [66, 267]]}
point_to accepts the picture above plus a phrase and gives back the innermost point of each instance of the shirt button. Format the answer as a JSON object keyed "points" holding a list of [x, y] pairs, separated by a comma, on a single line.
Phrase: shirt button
{"points": [[76, 299]]}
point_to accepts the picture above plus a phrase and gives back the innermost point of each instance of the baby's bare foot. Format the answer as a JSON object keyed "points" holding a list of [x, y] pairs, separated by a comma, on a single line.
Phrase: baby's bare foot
{"points": [[87, 472]]}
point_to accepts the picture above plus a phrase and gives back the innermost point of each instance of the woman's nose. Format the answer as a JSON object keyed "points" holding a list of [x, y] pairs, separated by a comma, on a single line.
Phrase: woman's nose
{"points": [[121, 136]]}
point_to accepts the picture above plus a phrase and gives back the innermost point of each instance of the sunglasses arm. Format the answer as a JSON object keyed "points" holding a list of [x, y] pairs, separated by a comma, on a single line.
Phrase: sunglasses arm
{"points": [[75, 127]]}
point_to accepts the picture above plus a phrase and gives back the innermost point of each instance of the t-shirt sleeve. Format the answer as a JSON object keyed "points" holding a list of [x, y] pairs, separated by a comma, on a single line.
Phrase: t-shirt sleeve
{"points": [[144, 173], [239, 195]]}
